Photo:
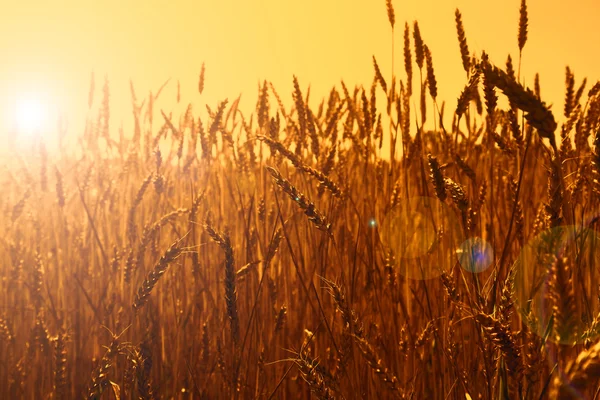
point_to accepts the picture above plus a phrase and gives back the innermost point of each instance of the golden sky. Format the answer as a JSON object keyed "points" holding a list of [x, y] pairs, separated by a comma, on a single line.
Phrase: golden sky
{"points": [[49, 48]]}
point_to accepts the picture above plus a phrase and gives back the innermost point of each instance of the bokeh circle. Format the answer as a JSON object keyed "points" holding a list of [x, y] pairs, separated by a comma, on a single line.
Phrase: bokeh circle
{"points": [[579, 247], [423, 233], [475, 255]]}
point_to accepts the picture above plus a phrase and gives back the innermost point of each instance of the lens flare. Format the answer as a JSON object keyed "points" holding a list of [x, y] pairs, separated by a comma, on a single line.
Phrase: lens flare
{"points": [[423, 234], [30, 116], [475, 255], [577, 248]]}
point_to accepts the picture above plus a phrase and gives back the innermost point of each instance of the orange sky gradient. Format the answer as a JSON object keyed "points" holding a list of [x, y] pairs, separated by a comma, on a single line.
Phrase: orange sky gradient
{"points": [[50, 48]]}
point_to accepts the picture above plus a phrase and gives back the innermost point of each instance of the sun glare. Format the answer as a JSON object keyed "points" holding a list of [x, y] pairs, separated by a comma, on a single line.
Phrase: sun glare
{"points": [[30, 115]]}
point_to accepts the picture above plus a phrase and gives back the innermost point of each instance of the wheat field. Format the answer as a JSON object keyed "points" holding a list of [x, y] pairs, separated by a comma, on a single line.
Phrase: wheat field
{"points": [[378, 246]]}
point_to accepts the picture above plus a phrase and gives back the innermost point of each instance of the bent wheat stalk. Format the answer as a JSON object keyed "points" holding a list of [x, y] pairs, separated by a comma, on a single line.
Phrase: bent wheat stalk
{"points": [[152, 278], [309, 208]]}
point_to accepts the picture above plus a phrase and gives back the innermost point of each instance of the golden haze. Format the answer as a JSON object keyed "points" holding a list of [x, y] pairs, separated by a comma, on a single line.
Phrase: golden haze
{"points": [[211, 258], [52, 47]]}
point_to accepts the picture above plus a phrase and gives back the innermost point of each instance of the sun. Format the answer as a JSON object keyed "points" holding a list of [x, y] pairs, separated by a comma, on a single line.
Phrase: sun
{"points": [[30, 115]]}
